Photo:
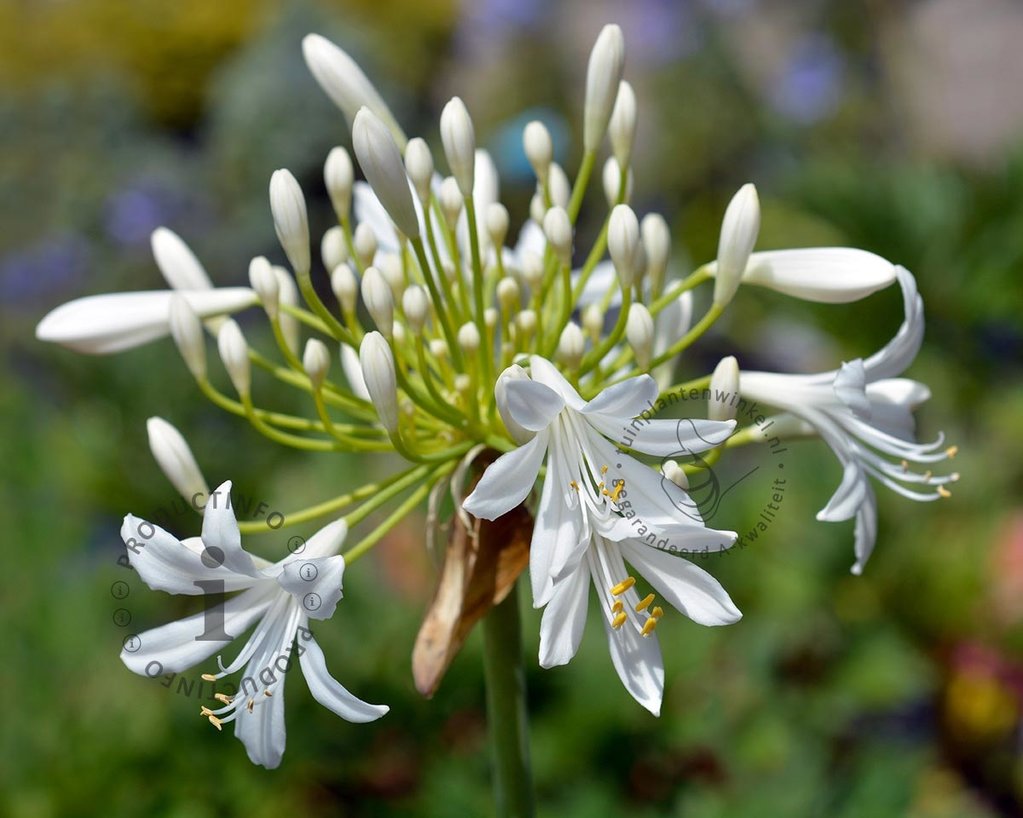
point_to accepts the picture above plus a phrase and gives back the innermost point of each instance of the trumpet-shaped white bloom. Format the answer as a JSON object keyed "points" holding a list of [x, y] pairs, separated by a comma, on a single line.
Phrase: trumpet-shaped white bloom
{"points": [[278, 598], [591, 484], [864, 414]]}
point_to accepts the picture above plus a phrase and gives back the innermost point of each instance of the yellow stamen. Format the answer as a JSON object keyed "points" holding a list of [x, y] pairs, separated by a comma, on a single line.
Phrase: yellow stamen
{"points": [[648, 626], [905, 465], [618, 607], [573, 484], [250, 705], [644, 603], [205, 711], [952, 451], [657, 612], [208, 677], [603, 469], [944, 492], [619, 620], [614, 495], [267, 693], [223, 697], [928, 474], [215, 722], [623, 586]]}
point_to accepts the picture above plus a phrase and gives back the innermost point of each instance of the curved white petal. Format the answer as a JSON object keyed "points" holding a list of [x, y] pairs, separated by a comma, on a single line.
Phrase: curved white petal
{"points": [[866, 530], [220, 530], [543, 371], [564, 619], [601, 280], [625, 400], [898, 354], [637, 660], [315, 583], [369, 210], [103, 324], [850, 388], [178, 264], [557, 532], [664, 438], [508, 480], [531, 404], [329, 692]]}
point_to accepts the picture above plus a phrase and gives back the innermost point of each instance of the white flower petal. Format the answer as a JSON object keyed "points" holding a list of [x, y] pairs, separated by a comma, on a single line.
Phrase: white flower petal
{"points": [[664, 438], [850, 388], [896, 356], [637, 660], [220, 530], [531, 404], [564, 619], [178, 264], [625, 400], [866, 530], [353, 371], [508, 480], [369, 210], [556, 531], [315, 583], [543, 371], [602, 279], [329, 692]]}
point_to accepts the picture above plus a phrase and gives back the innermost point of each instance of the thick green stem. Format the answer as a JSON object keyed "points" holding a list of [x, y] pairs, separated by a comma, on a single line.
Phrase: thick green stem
{"points": [[506, 709]]}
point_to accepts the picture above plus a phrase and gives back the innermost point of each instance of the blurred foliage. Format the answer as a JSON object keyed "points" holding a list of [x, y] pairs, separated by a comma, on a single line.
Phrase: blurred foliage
{"points": [[895, 694]]}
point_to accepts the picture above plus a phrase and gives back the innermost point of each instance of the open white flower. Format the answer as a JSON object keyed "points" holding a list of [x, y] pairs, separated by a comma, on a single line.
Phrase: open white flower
{"points": [[591, 484], [865, 415], [279, 598]]}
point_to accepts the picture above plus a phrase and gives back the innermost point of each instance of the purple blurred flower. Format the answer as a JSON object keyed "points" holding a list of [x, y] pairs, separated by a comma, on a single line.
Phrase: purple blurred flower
{"points": [[809, 88], [133, 212], [49, 266]]}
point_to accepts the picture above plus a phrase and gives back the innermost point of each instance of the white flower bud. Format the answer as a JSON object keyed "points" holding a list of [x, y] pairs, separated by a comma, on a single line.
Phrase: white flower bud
{"points": [[338, 177], [316, 361], [508, 294], [560, 187], [490, 316], [536, 140], [398, 333], [459, 138], [463, 384], [513, 373], [178, 264], [469, 338], [657, 245], [603, 76], [381, 161], [234, 352], [675, 473], [532, 270], [419, 164], [622, 127], [571, 345], [345, 84], [186, 329], [290, 220], [345, 286], [364, 242], [333, 247], [263, 280], [557, 227], [439, 349], [497, 224], [739, 230], [639, 331], [593, 322], [376, 294], [525, 323], [378, 373], [389, 265], [623, 242], [612, 181], [175, 459], [288, 294], [537, 207], [416, 305], [724, 390], [451, 201]]}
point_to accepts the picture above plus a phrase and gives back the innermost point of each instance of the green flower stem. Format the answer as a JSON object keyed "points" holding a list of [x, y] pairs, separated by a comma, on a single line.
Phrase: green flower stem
{"points": [[596, 355], [478, 292], [337, 432], [290, 357], [437, 409], [445, 285], [442, 314], [678, 388], [688, 283], [309, 444], [334, 327], [506, 709], [686, 340], [305, 317], [582, 181]]}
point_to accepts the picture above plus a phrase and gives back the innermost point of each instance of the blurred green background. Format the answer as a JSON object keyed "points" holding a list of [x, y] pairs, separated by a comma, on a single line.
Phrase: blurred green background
{"points": [[892, 126]]}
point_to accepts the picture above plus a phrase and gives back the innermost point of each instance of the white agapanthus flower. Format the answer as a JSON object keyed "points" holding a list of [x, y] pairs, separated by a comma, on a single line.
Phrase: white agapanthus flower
{"points": [[864, 413], [591, 483], [278, 598]]}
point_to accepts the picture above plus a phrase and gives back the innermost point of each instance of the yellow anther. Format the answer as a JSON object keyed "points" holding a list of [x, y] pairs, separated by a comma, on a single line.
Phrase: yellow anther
{"points": [[657, 612], [618, 607], [267, 693], [944, 492], [250, 704], [905, 465], [615, 493], [644, 603], [223, 697], [209, 677], [215, 722], [574, 485], [205, 711], [623, 586], [619, 620], [952, 451], [928, 474], [603, 469], [648, 626], [954, 477]]}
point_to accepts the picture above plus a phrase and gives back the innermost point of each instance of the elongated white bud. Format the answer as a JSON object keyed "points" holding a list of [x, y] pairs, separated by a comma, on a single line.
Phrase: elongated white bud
{"points": [[657, 245], [603, 76], [377, 363], [180, 267], [364, 242], [419, 165], [539, 148], [639, 331], [290, 220], [376, 294], [469, 338], [557, 227], [571, 345], [739, 230], [724, 390], [612, 181], [175, 459], [381, 161], [532, 270], [513, 373], [559, 186], [623, 242], [451, 201], [389, 265], [316, 361], [525, 325], [338, 177], [234, 352], [345, 83], [497, 224], [186, 329], [264, 281], [508, 294], [345, 287], [490, 317], [622, 128], [333, 247], [288, 294], [459, 138], [439, 349], [675, 473], [593, 322], [537, 207], [415, 303]]}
